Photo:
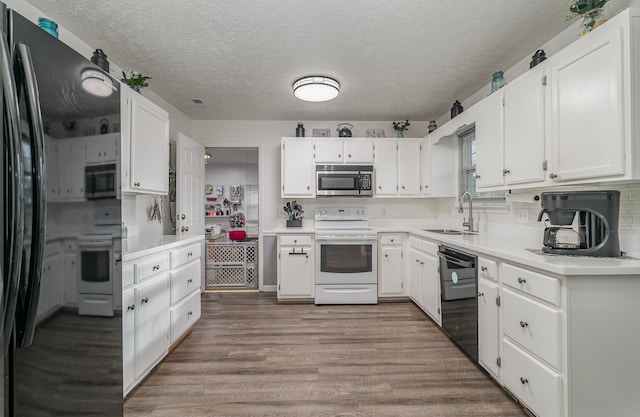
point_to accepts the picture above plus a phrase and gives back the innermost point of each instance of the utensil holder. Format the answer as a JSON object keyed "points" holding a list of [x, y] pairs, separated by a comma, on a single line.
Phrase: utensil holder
{"points": [[294, 223]]}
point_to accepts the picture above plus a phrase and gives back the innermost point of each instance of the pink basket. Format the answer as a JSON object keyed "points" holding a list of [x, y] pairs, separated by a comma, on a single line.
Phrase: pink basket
{"points": [[237, 235]]}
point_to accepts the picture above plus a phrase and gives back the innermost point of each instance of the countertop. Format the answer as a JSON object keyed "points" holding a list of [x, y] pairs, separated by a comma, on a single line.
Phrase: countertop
{"points": [[135, 247], [509, 243]]}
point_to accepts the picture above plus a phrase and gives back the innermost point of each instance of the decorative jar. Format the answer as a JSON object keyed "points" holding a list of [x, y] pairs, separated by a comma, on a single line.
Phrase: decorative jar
{"points": [[498, 81]]}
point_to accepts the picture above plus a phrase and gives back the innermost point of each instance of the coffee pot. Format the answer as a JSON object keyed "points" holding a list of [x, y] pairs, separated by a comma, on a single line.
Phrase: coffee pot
{"points": [[344, 131], [561, 237]]}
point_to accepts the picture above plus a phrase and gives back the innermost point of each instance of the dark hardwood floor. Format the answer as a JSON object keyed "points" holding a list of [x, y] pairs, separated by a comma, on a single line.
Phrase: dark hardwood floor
{"points": [[250, 356]]}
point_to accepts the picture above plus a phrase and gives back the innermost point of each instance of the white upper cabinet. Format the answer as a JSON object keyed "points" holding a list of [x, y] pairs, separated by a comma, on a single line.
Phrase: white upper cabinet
{"points": [[588, 107], [145, 145], [102, 148], [409, 159], [297, 168], [347, 151], [386, 167], [489, 141], [524, 128]]}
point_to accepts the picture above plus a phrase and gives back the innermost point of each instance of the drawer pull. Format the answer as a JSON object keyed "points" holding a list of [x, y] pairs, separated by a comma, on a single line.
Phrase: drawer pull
{"points": [[386, 255], [190, 313], [524, 381], [156, 267], [480, 294], [523, 324], [189, 254], [190, 280], [144, 300], [391, 240], [131, 307], [483, 268], [521, 280]]}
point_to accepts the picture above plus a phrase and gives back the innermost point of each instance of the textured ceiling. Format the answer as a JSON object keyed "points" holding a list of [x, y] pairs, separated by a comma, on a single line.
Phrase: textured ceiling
{"points": [[401, 59]]}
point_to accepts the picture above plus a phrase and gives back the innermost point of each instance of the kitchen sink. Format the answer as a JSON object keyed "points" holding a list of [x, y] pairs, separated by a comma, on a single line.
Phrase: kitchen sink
{"points": [[450, 232]]}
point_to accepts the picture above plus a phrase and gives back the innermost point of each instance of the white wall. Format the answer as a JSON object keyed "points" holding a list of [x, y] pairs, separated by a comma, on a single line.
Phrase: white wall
{"points": [[267, 135]]}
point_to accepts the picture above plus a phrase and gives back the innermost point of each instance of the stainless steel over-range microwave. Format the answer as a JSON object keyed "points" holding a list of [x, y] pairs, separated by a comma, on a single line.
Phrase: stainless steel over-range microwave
{"points": [[344, 180]]}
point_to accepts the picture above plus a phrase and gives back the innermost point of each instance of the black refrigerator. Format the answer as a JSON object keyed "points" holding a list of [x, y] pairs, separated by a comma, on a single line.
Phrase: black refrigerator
{"points": [[64, 363]]}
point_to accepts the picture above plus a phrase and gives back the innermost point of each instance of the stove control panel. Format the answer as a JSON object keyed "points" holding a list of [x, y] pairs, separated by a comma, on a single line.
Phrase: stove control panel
{"points": [[341, 213]]}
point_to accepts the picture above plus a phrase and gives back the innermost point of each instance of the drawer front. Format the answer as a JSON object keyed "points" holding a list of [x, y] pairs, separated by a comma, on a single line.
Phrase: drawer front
{"points": [[184, 280], [415, 243], [390, 239], [151, 266], [295, 240], [487, 268], [538, 285], [533, 325], [539, 387], [184, 315], [181, 256], [429, 247]]}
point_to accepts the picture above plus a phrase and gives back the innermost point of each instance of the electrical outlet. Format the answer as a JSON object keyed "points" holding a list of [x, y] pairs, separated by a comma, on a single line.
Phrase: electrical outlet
{"points": [[383, 212], [523, 216]]}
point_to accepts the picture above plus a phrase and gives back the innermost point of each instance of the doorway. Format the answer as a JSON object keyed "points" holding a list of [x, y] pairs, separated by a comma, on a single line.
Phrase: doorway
{"points": [[232, 220]]}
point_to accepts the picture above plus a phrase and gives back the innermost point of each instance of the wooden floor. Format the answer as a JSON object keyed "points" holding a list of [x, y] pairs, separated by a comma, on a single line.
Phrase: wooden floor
{"points": [[250, 356]]}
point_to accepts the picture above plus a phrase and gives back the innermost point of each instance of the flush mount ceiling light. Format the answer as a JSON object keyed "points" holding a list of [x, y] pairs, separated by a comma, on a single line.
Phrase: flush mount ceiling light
{"points": [[316, 88], [97, 83]]}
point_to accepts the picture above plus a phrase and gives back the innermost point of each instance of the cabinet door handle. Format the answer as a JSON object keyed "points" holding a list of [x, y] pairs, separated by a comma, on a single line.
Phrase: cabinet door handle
{"points": [[483, 268], [391, 240], [379, 187], [156, 267], [190, 280], [131, 307], [386, 255], [190, 313], [339, 156], [553, 176], [182, 216], [524, 381], [521, 280], [144, 300], [136, 184], [308, 187], [349, 155], [505, 172], [523, 324], [184, 228], [480, 294], [476, 176]]}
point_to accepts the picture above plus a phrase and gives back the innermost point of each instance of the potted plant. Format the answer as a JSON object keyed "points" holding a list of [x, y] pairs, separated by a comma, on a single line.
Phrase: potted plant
{"points": [[136, 81], [592, 13], [400, 127]]}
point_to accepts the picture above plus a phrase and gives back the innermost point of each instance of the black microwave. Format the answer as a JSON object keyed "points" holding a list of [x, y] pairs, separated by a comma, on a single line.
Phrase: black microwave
{"points": [[100, 181], [344, 180]]}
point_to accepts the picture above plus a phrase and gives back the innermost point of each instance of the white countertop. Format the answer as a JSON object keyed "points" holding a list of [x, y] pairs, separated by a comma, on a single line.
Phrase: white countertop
{"points": [[507, 243], [135, 247]]}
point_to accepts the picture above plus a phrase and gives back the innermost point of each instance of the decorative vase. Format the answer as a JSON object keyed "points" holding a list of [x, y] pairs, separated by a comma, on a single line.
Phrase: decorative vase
{"points": [[498, 81], [400, 133], [591, 20], [49, 26]]}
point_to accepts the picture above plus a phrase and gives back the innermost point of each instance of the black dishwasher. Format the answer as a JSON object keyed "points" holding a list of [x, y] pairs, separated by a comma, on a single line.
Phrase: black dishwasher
{"points": [[458, 295]]}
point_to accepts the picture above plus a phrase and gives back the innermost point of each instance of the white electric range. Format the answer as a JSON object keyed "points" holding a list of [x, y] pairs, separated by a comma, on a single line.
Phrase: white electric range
{"points": [[346, 257]]}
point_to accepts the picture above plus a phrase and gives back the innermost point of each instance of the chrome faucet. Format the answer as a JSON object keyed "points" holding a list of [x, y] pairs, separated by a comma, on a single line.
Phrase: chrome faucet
{"points": [[465, 223]]}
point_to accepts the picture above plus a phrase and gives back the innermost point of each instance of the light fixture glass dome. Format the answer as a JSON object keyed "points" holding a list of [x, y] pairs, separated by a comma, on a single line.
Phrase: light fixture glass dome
{"points": [[316, 88], [97, 83]]}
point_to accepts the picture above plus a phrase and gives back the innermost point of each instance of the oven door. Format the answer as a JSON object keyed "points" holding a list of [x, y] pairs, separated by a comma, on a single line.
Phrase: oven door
{"points": [[95, 270], [346, 260]]}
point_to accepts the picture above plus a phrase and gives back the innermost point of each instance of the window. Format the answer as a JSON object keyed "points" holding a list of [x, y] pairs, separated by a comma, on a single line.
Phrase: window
{"points": [[468, 159]]}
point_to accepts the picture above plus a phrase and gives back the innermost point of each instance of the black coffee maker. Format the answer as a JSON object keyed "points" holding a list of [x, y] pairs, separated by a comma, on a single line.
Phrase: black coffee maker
{"points": [[581, 223]]}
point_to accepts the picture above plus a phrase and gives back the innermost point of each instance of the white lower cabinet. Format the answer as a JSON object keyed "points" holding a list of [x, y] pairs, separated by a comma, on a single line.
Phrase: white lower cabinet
{"points": [[295, 267], [160, 302], [152, 321], [536, 385], [128, 338], [424, 278], [488, 330], [391, 265]]}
